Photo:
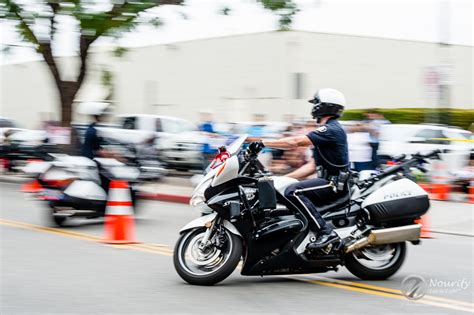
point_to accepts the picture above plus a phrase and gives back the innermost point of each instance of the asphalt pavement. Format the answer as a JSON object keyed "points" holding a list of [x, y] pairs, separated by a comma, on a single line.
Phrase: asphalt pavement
{"points": [[47, 270]]}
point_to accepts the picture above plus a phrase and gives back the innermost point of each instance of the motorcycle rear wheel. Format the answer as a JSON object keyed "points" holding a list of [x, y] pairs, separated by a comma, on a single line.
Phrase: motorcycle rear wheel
{"points": [[57, 220], [390, 258], [205, 267]]}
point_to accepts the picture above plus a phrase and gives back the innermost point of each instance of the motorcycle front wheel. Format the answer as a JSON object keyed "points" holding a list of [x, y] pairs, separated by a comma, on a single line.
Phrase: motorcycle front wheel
{"points": [[376, 263], [207, 265]]}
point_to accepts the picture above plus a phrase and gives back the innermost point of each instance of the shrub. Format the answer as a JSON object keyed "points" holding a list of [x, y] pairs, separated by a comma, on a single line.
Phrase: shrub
{"points": [[462, 118]]}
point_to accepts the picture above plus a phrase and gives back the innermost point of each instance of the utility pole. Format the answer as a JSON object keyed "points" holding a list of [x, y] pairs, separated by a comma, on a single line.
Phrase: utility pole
{"points": [[445, 66]]}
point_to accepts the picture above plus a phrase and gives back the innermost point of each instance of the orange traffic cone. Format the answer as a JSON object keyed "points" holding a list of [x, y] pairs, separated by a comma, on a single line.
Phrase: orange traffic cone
{"points": [[119, 220], [425, 230], [471, 194], [426, 187], [440, 191], [31, 187]]}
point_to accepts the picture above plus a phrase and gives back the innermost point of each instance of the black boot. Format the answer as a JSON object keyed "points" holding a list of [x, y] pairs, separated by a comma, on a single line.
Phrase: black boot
{"points": [[324, 240]]}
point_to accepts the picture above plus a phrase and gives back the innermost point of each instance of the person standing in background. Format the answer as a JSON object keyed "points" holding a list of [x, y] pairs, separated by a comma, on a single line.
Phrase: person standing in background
{"points": [[207, 127], [360, 149], [375, 120], [207, 123]]}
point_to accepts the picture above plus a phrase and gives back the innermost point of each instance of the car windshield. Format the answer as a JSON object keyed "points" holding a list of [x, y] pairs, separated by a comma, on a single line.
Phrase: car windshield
{"points": [[5, 123], [461, 134]]}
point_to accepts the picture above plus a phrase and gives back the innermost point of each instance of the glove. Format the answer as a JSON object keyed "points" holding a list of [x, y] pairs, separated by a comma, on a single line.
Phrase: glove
{"points": [[256, 146]]}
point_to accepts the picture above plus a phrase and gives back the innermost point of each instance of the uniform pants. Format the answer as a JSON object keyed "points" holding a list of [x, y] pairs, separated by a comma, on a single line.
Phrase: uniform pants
{"points": [[308, 193]]}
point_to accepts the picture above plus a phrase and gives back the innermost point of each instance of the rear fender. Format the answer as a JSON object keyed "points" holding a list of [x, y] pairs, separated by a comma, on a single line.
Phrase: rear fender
{"points": [[201, 222]]}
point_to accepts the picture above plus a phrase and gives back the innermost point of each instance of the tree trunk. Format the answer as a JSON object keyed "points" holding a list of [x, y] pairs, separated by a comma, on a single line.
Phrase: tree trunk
{"points": [[67, 91]]}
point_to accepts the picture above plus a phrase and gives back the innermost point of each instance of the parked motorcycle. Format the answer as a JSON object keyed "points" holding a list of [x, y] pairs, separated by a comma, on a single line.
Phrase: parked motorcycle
{"points": [[75, 186], [251, 219]]}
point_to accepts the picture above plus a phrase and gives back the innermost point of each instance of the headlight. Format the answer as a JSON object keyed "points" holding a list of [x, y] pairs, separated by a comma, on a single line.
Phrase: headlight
{"points": [[198, 195], [196, 200]]}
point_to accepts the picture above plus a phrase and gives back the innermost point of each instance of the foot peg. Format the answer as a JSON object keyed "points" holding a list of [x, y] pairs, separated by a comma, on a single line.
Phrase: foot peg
{"points": [[326, 249]]}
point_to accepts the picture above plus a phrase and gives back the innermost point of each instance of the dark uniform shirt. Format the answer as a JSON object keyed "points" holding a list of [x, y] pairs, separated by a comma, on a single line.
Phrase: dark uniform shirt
{"points": [[330, 147], [91, 142]]}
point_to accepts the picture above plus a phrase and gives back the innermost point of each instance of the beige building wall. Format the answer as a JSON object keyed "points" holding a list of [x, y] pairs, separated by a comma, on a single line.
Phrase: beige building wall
{"points": [[238, 76]]}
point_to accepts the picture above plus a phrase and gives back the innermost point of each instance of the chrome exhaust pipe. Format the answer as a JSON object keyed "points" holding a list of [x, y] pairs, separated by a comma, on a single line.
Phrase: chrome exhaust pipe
{"points": [[387, 236]]}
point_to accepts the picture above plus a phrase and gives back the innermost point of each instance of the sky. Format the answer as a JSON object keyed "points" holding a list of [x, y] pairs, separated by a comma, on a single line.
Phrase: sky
{"points": [[419, 20]]}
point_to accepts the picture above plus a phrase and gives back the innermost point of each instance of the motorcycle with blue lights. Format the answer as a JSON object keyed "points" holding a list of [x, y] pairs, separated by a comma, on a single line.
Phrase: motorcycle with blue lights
{"points": [[248, 218]]}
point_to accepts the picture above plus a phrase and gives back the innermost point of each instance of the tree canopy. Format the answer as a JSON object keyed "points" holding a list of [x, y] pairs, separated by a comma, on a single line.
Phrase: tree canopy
{"points": [[37, 23]]}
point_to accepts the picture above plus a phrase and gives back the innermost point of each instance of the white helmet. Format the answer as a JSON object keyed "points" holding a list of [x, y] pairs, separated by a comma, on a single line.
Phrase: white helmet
{"points": [[93, 108], [328, 102]]}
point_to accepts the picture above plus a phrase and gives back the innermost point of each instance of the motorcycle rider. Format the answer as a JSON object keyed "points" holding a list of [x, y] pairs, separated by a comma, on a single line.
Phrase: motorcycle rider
{"points": [[91, 146], [330, 160]]}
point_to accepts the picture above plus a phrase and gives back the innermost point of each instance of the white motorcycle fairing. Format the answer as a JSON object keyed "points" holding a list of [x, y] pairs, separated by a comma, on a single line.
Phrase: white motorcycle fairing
{"points": [[85, 189], [227, 171], [201, 222], [36, 167], [403, 189]]}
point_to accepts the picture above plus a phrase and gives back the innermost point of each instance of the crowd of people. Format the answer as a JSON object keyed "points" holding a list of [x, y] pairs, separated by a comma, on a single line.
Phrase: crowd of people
{"points": [[363, 138]]}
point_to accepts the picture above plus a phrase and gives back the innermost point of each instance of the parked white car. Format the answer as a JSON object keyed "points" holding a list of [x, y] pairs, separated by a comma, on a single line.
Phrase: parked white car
{"points": [[396, 139], [178, 141]]}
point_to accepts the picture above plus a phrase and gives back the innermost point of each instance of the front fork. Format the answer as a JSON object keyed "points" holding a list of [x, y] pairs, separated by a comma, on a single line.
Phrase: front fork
{"points": [[207, 236]]}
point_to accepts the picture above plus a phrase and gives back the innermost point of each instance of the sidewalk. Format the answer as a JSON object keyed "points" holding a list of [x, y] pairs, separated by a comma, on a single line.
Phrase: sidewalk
{"points": [[172, 189]]}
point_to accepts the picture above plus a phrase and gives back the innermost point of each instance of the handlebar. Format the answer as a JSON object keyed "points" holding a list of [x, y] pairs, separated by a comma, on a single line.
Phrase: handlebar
{"points": [[434, 155], [254, 149]]}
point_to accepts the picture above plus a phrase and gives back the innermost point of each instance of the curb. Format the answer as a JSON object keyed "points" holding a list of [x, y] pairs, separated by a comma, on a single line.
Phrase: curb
{"points": [[166, 197]]}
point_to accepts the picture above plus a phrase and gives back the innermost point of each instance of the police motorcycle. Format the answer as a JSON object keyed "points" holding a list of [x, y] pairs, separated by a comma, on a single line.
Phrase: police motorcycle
{"points": [[75, 186], [251, 219]]}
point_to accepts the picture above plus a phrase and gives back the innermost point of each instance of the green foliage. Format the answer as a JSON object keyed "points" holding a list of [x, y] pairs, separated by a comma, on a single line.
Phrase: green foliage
{"points": [[286, 9], [107, 78], [225, 10], [275, 5], [120, 51], [156, 22], [122, 16], [456, 117]]}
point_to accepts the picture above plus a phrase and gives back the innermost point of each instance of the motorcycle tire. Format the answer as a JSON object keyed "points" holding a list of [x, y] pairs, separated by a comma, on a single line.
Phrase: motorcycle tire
{"points": [[59, 221], [214, 277], [366, 273]]}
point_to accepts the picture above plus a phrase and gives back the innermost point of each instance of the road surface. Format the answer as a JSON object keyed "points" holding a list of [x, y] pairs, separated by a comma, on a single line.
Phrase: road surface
{"points": [[46, 270]]}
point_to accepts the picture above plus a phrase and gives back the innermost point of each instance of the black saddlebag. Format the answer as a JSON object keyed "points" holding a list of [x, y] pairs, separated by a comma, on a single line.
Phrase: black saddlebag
{"points": [[398, 210]]}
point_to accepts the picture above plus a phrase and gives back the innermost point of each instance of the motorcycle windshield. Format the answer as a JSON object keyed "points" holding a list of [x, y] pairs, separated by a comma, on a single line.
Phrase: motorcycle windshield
{"points": [[236, 145], [233, 148]]}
